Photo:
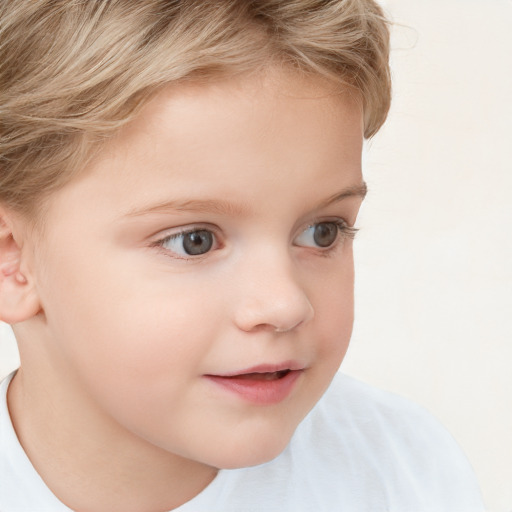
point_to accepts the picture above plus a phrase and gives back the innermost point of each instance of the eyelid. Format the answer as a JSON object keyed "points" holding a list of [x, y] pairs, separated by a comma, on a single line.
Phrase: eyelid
{"points": [[183, 230], [339, 221], [345, 231], [174, 233]]}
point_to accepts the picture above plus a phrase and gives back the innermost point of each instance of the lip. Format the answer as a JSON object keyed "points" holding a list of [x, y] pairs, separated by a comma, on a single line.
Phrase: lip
{"points": [[264, 384]]}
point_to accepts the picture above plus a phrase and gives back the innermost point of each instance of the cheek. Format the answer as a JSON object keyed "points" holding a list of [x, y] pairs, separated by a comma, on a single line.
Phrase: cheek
{"points": [[119, 323], [336, 323], [334, 309], [137, 355], [147, 336]]}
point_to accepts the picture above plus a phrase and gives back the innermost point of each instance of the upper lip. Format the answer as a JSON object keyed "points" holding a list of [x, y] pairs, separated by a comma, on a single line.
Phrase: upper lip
{"points": [[264, 368]]}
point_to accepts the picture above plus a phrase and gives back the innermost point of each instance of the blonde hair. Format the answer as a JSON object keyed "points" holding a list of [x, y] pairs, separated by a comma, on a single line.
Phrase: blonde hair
{"points": [[72, 72]]}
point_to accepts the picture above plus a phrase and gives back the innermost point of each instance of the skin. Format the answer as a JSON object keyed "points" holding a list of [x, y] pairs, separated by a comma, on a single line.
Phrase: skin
{"points": [[111, 403]]}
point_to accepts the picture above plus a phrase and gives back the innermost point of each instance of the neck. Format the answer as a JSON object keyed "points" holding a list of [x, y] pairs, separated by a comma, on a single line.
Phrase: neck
{"points": [[89, 461]]}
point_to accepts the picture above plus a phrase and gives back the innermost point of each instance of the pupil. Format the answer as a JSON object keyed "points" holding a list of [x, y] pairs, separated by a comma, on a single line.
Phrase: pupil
{"points": [[325, 234], [197, 242]]}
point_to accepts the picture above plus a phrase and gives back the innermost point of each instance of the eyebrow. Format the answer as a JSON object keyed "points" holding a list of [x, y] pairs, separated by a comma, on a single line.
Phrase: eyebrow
{"points": [[359, 190], [224, 207]]}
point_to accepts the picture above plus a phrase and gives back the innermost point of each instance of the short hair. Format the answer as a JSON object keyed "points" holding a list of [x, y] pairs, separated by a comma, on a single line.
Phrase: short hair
{"points": [[72, 72]]}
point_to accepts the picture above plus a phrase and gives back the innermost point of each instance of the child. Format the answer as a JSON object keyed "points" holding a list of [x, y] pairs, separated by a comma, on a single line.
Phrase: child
{"points": [[179, 183]]}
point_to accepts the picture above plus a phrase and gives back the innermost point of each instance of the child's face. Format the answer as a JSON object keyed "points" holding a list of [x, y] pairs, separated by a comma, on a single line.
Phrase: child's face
{"points": [[264, 177]]}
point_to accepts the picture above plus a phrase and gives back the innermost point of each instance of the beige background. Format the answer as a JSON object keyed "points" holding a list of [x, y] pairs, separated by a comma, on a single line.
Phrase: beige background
{"points": [[434, 256]]}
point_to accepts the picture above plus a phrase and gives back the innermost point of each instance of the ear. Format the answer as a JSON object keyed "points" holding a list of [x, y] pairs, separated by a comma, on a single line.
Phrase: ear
{"points": [[18, 298]]}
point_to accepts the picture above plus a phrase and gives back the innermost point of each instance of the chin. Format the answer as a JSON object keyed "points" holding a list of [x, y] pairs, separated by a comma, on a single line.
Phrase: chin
{"points": [[254, 452], [237, 461]]}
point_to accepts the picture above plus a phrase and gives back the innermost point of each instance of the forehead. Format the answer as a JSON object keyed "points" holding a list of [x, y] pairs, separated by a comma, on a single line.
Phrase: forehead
{"points": [[234, 138], [268, 99], [244, 122]]}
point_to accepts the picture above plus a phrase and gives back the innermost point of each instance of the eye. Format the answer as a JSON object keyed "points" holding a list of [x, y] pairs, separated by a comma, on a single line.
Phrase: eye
{"points": [[189, 243], [323, 234]]}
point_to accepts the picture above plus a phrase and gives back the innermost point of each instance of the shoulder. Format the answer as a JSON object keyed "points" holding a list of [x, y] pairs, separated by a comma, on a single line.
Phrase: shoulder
{"points": [[394, 445], [379, 422], [353, 404]]}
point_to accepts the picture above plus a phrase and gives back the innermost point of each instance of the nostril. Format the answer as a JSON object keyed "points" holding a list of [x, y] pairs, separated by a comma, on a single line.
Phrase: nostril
{"points": [[276, 304], [287, 329]]}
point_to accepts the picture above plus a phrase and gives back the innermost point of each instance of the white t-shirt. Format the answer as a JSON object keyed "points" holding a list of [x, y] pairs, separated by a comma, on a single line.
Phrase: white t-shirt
{"points": [[359, 450]]}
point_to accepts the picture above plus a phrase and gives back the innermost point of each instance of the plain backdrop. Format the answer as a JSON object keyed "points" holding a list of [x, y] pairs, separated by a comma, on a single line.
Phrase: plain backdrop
{"points": [[434, 254]]}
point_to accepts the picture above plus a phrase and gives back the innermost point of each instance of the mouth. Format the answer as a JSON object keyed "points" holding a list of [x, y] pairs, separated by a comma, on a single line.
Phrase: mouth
{"points": [[263, 385], [261, 376]]}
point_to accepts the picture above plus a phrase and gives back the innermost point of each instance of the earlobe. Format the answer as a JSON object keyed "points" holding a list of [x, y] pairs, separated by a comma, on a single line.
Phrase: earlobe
{"points": [[18, 297]]}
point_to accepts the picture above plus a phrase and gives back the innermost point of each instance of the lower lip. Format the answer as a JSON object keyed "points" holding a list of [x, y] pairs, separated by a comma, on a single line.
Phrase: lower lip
{"points": [[264, 392]]}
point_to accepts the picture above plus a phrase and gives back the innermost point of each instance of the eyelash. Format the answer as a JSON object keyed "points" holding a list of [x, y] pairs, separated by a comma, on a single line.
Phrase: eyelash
{"points": [[162, 241], [345, 232]]}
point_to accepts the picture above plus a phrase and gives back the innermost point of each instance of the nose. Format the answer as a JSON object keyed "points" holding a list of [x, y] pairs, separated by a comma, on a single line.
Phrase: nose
{"points": [[271, 298]]}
